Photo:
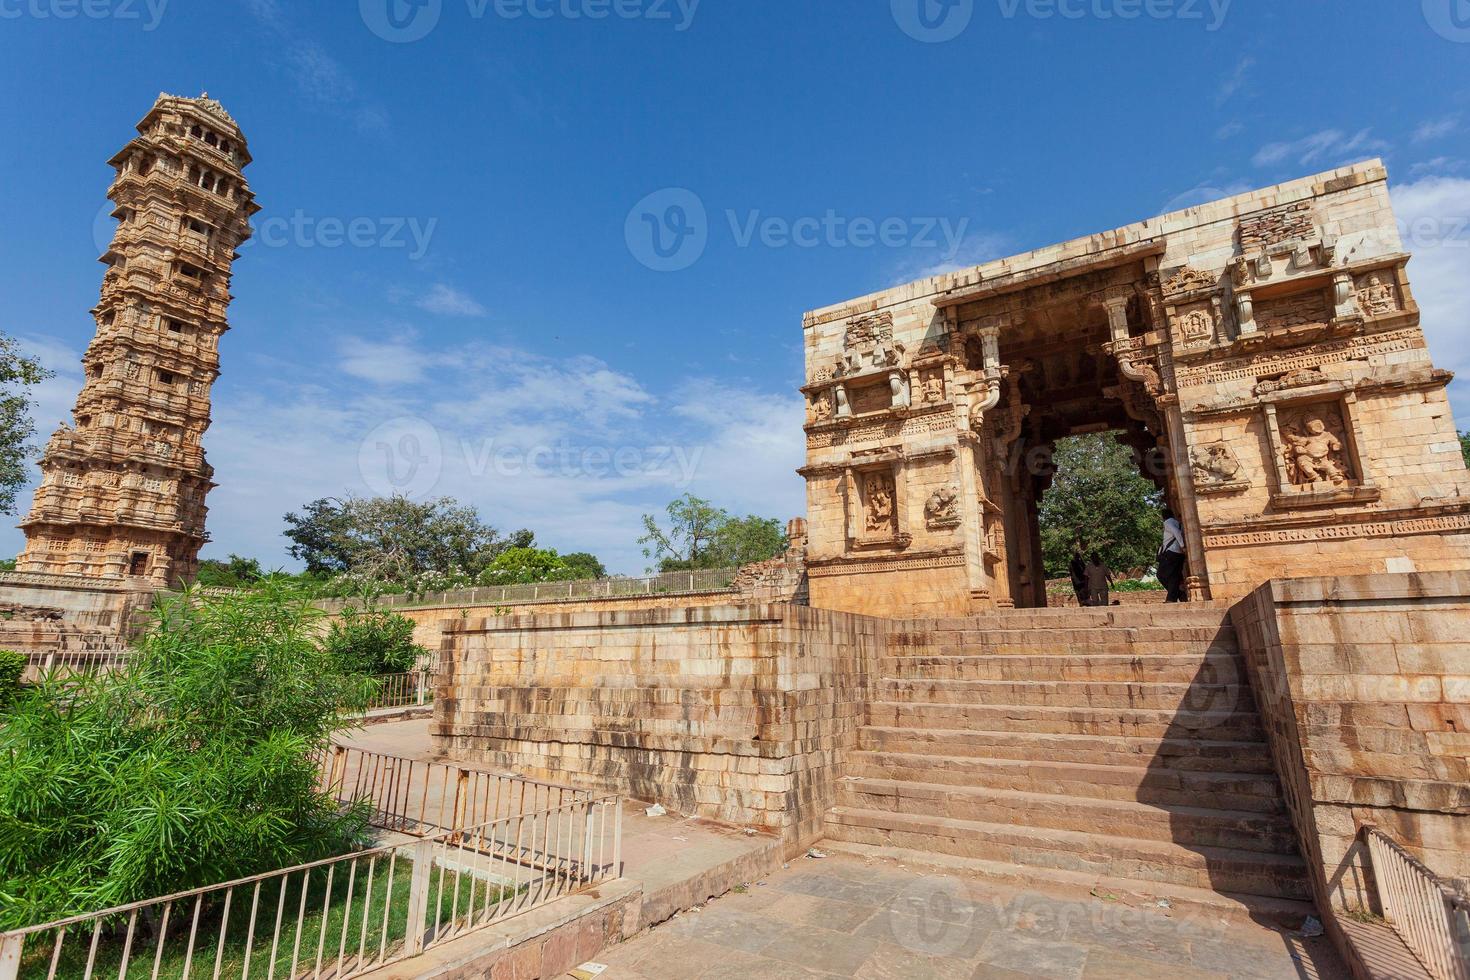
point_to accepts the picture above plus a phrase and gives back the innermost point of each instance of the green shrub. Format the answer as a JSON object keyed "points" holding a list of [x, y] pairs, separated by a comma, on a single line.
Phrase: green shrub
{"points": [[191, 765], [373, 641], [12, 666]]}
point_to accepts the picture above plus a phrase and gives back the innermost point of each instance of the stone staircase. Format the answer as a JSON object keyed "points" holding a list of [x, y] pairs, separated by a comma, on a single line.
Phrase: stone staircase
{"points": [[1119, 749]]}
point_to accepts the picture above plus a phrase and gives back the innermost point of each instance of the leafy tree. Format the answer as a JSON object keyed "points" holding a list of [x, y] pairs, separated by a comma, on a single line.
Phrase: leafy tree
{"points": [[12, 667], [18, 374], [235, 573], [584, 566], [1465, 446], [192, 764], [1099, 498], [373, 641], [701, 535], [395, 539]]}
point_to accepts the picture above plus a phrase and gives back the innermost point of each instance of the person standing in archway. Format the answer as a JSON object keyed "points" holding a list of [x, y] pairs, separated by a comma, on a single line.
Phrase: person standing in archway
{"points": [[1077, 569], [1171, 558]]}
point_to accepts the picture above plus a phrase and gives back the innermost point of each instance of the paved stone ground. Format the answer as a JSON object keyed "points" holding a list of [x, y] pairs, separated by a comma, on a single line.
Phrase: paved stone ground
{"points": [[846, 917]]}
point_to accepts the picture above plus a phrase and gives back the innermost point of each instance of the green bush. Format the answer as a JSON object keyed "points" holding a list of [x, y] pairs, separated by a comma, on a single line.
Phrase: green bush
{"points": [[191, 765], [373, 641], [12, 666]]}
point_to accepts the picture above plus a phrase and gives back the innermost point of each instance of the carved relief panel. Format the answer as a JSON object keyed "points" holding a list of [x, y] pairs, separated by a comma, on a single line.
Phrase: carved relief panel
{"points": [[942, 510], [1216, 468], [1314, 445], [879, 496], [931, 385], [1377, 293]]}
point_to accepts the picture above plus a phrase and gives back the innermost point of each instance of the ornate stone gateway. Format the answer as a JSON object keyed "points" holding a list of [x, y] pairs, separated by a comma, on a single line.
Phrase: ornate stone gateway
{"points": [[1262, 354]]}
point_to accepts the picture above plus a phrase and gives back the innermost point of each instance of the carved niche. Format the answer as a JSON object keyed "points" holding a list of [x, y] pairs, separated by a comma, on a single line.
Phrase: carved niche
{"points": [[1314, 446], [1376, 292], [1216, 468], [821, 406], [879, 504], [1188, 280], [1197, 323], [931, 386], [942, 510]]}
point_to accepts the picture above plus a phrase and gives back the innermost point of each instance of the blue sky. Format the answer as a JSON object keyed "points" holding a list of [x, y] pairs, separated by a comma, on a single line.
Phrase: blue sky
{"points": [[499, 332]]}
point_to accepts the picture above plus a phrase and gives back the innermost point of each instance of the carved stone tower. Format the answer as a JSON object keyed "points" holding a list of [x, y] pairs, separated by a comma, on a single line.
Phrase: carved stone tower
{"points": [[122, 494]]}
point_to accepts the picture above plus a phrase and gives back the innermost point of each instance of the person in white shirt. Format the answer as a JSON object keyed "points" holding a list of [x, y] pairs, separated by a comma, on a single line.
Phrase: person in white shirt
{"points": [[1171, 558]]}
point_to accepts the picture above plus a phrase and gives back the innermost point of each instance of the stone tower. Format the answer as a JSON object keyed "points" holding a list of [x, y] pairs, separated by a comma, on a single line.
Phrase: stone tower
{"points": [[122, 493]]}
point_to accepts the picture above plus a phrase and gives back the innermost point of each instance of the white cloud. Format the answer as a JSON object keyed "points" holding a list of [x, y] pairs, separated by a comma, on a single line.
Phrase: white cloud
{"points": [[1436, 129], [1434, 219], [976, 249], [1326, 147], [1234, 80], [447, 301], [573, 448], [1229, 130], [389, 363]]}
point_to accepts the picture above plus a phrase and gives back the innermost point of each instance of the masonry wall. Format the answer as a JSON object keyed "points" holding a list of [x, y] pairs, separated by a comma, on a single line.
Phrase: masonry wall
{"points": [[1364, 686], [737, 713]]}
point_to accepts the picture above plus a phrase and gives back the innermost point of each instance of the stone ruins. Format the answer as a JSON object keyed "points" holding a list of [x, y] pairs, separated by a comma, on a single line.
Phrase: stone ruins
{"points": [[1261, 354], [122, 493]]}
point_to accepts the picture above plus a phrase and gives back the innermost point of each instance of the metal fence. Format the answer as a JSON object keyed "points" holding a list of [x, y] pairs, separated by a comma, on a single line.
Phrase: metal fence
{"points": [[416, 796], [403, 690], [1430, 918], [83, 661], [340, 917], [668, 583]]}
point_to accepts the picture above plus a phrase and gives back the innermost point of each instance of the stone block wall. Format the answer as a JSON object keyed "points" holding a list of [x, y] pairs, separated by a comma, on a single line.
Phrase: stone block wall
{"points": [[1364, 685], [737, 713]]}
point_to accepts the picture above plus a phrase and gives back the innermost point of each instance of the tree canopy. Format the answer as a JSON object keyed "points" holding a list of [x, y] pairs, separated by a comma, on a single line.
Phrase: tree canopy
{"points": [[518, 566], [395, 539], [1099, 498], [18, 375], [700, 535]]}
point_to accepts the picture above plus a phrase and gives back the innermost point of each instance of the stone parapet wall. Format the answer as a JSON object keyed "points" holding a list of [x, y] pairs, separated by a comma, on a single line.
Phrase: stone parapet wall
{"points": [[737, 713], [1364, 685]]}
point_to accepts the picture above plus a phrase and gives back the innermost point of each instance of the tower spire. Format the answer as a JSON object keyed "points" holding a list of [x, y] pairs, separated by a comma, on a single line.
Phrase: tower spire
{"points": [[122, 490]]}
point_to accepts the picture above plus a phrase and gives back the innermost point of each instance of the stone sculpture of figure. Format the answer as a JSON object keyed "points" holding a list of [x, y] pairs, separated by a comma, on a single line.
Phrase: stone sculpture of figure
{"points": [[1376, 295], [880, 502], [933, 388], [942, 506], [843, 408], [821, 406], [1311, 455], [1215, 463]]}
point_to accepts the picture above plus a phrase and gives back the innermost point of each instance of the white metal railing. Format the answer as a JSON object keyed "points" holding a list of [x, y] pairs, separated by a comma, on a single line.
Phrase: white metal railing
{"points": [[1430, 918], [339, 917], [403, 690], [416, 796], [83, 661]]}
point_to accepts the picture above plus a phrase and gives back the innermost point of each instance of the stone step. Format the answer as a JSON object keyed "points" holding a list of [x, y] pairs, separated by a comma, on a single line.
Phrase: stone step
{"points": [[1041, 644], [1192, 614], [1191, 826], [1256, 792], [1184, 902], [1130, 722], [1072, 694], [1220, 666], [1162, 862], [1085, 637], [1201, 753]]}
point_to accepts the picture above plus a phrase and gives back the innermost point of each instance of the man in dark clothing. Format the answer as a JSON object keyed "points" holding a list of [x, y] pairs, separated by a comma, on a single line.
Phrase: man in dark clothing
{"points": [[1077, 569]]}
